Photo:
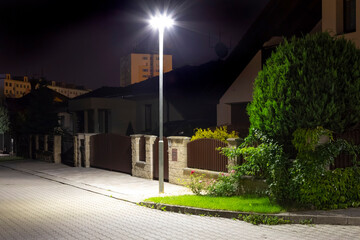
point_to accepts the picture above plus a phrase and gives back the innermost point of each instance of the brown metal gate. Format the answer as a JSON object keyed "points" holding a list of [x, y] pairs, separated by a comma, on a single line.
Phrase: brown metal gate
{"points": [[156, 159], [111, 151], [202, 154]]}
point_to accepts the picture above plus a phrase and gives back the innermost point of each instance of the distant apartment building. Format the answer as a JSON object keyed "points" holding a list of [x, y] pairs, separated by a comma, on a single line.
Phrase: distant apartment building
{"points": [[16, 87], [137, 67], [68, 90]]}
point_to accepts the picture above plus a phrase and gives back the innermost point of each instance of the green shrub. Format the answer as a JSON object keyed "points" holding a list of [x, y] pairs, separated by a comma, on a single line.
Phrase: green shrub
{"points": [[267, 160], [307, 82], [220, 133], [225, 185], [339, 188]]}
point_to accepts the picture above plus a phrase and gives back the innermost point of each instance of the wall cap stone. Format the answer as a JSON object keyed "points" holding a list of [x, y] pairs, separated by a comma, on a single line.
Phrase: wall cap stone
{"points": [[136, 135], [178, 138], [149, 136]]}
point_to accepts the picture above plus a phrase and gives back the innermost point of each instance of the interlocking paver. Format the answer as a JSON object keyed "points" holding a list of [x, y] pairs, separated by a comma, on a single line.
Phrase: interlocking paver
{"points": [[36, 208]]}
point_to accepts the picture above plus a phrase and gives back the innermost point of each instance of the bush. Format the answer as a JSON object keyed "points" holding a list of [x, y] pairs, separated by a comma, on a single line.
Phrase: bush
{"points": [[224, 186], [307, 82], [220, 133], [197, 183]]}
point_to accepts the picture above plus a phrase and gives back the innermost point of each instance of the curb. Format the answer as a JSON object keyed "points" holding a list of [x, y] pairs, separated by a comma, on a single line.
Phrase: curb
{"points": [[294, 218]]}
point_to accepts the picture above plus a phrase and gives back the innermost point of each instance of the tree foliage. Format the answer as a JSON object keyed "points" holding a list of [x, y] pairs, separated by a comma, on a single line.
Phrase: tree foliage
{"points": [[308, 82]]}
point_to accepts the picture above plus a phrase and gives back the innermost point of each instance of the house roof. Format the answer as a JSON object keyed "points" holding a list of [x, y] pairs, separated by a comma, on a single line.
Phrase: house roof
{"points": [[17, 104], [209, 81]]}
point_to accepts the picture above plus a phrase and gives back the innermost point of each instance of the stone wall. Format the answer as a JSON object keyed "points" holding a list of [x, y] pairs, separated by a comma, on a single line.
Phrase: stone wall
{"points": [[179, 173]]}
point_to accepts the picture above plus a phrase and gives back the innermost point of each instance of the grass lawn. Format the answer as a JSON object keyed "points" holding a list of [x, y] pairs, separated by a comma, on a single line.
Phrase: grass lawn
{"points": [[10, 158], [237, 203]]}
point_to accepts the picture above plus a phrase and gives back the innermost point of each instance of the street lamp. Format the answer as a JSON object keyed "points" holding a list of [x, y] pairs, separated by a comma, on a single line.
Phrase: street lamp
{"points": [[161, 22]]}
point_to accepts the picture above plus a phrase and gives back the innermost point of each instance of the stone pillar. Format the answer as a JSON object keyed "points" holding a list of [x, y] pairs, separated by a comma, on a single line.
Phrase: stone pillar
{"points": [[88, 149], [36, 142], [76, 146], [46, 147], [57, 149], [232, 143], [135, 149], [140, 168], [177, 159], [77, 162]]}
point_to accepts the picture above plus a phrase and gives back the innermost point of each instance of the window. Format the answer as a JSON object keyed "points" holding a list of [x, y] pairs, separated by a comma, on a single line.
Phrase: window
{"points": [[145, 70], [6, 91], [6, 84], [17, 85], [148, 117], [349, 16], [10, 84], [144, 76], [144, 58]]}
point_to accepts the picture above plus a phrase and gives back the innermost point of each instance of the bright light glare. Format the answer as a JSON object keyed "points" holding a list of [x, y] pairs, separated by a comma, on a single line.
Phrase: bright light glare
{"points": [[161, 21]]}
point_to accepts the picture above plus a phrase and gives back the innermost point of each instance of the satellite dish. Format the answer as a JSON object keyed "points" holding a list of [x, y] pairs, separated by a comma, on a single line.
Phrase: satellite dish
{"points": [[221, 50]]}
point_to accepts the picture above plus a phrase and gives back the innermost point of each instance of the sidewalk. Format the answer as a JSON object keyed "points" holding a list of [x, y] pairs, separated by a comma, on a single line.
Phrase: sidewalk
{"points": [[133, 189], [118, 185]]}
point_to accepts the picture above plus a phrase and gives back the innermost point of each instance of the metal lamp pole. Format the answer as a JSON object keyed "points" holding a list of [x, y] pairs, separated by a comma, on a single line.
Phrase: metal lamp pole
{"points": [[161, 22], [161, 109]]}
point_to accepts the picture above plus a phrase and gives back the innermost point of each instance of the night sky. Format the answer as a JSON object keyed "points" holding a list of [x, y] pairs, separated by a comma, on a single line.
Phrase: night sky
{"points": [[81, 42]]}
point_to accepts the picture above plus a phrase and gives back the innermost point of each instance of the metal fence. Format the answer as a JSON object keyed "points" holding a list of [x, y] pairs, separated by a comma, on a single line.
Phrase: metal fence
{"points": [[111, 151], [202, 154]]}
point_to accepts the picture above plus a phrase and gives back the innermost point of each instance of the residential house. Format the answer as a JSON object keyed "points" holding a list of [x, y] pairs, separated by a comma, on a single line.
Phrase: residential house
{"points": [[274, 23], [190, 98], [338, 17]]}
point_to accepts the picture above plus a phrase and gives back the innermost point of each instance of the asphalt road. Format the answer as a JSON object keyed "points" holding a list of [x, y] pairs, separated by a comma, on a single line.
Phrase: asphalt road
{"points": [[35, 208]]}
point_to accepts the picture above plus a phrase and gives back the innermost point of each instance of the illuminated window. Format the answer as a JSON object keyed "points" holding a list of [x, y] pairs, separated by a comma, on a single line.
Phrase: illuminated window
{"points": [[349, 16]]}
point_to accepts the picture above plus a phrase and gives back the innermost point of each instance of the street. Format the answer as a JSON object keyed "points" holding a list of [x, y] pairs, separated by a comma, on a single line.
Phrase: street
{"points": [[36, 208]]}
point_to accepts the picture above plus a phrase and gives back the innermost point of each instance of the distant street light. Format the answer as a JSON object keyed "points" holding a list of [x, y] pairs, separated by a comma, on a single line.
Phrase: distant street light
{"points": [[161, 22]]}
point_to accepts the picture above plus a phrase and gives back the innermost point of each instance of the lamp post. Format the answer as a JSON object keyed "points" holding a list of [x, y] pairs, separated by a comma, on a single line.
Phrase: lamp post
{"points": [[161, 22]]}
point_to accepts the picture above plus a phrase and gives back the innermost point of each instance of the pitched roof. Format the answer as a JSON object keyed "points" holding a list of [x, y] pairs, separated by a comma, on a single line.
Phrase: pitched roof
{"points": [[209, 81]]}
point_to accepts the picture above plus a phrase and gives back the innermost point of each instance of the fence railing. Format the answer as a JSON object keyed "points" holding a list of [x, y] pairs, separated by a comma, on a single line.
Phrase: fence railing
{"points": [[202, 154]]}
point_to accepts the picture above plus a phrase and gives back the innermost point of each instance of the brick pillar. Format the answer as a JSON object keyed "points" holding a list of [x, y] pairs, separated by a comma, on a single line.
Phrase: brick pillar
{"points": [[177, 158], [140, 168], [88, 149], [57, 149], [46, 147], [36, 142], [76, 146]]}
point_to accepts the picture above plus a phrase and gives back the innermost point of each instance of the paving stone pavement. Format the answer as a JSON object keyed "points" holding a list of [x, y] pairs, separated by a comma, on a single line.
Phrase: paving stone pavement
{"points": [[36, 208]]}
